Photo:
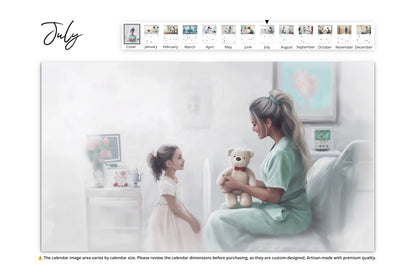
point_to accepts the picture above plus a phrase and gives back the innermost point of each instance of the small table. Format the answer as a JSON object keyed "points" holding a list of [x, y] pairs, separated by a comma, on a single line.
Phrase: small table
{"points": [[114, 218]]}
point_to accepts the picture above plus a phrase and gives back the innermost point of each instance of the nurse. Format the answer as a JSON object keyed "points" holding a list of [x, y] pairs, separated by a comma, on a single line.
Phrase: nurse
{"points": [[284, 207]]}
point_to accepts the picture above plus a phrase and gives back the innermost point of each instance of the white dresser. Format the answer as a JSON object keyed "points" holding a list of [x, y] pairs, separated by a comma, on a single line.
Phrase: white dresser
{"points": [[114, 218]]}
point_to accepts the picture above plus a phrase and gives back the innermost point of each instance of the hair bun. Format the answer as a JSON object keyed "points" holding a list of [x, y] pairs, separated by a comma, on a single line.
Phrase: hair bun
{"points": [[274, 93]]}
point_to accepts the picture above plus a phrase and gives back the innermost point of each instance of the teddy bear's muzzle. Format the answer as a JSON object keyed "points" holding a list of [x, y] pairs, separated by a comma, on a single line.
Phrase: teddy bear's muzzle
{"points": [[238, 159]]}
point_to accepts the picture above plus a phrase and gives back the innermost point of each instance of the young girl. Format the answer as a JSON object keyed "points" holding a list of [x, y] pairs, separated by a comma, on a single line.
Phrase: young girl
{"points": [[172, 227]]}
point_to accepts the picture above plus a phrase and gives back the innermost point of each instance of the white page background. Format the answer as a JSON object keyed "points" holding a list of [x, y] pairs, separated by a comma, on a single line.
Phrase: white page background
{"points": [[22, 51]]}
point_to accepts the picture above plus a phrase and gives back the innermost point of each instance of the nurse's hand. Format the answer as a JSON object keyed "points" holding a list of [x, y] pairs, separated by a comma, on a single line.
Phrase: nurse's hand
{"points": [[230, 184]]}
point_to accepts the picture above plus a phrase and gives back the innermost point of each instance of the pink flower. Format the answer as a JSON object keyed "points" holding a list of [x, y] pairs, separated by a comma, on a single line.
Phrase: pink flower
{"points": [[104, 154], [305, 83], [92, 144], [106, 142]]}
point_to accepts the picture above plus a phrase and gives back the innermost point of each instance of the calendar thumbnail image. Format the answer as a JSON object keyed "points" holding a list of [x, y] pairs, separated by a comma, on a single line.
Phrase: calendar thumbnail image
{"points": [[151, 29], [324, 29], [364, 34], [363, 29], [209, 34], [325, 34], [286, 34], [170, 29], [190, 29], [190, 34], [228, 29], [286, 29], [248, 29], [267, 34], [151, 34], [305, 29], [305, 34], [170, 34], [267, 29], [344, 29], [131, 33], [248, 34], [344, 34], [209, 29]]}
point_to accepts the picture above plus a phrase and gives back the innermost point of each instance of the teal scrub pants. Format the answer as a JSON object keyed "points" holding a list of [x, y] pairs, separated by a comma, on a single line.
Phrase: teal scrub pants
{"points": [[231, 229]]}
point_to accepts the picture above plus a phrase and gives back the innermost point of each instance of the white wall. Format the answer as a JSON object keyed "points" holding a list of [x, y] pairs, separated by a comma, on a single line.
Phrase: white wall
{"points": [[144, 102], [356, 86], [152, 103]]}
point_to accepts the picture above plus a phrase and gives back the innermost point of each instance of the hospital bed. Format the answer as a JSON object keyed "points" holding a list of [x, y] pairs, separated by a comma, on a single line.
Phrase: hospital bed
{"points": [[332, 184]]}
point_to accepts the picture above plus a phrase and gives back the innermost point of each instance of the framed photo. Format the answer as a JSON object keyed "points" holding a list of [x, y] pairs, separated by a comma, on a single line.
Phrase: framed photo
{"points": [[313, 88], [109, 142]]}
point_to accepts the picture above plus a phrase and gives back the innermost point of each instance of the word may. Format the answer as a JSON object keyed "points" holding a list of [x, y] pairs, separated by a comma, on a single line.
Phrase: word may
{"points": [[68, 39]]}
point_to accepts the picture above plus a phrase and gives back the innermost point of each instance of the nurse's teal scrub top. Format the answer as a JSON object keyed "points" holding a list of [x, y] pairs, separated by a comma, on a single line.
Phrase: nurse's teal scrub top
{"points": [[282, 168]]}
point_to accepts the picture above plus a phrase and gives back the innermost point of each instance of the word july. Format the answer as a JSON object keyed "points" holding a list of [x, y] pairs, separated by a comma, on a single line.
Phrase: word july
{"points": [[52, 35]]}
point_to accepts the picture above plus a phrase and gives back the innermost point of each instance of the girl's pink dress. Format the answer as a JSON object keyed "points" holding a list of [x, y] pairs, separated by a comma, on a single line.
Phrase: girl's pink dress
{"points": [[168, 232]]}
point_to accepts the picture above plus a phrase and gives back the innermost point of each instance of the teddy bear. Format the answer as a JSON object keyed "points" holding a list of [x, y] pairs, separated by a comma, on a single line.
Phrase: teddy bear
{"points": [[239, 159]]}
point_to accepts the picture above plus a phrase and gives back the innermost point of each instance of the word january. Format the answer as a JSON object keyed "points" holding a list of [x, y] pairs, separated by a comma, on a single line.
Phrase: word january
{"points": [[52, 35]]}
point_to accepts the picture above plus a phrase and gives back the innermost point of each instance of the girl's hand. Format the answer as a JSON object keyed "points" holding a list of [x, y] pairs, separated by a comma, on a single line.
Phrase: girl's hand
{"points": [[230, 184]]}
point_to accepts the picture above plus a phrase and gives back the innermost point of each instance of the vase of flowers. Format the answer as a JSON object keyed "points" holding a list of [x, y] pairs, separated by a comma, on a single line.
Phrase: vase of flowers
{"points": [[97, 152]]}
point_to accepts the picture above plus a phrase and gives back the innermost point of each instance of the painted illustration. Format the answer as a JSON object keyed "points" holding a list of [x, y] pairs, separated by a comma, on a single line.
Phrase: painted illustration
{"points": [[157, 156]]}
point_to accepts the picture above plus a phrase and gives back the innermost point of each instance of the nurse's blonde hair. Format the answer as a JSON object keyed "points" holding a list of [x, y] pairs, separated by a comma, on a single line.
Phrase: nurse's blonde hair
{"points": [[279, 107]]}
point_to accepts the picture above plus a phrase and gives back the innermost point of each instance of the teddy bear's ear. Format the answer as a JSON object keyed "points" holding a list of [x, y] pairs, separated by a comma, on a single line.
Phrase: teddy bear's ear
{"points": [[250, 152], [229, 151]]}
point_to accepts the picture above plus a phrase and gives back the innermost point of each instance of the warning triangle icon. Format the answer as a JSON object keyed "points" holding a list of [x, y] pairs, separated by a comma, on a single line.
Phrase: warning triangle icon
{"points": [[40, 258]]}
